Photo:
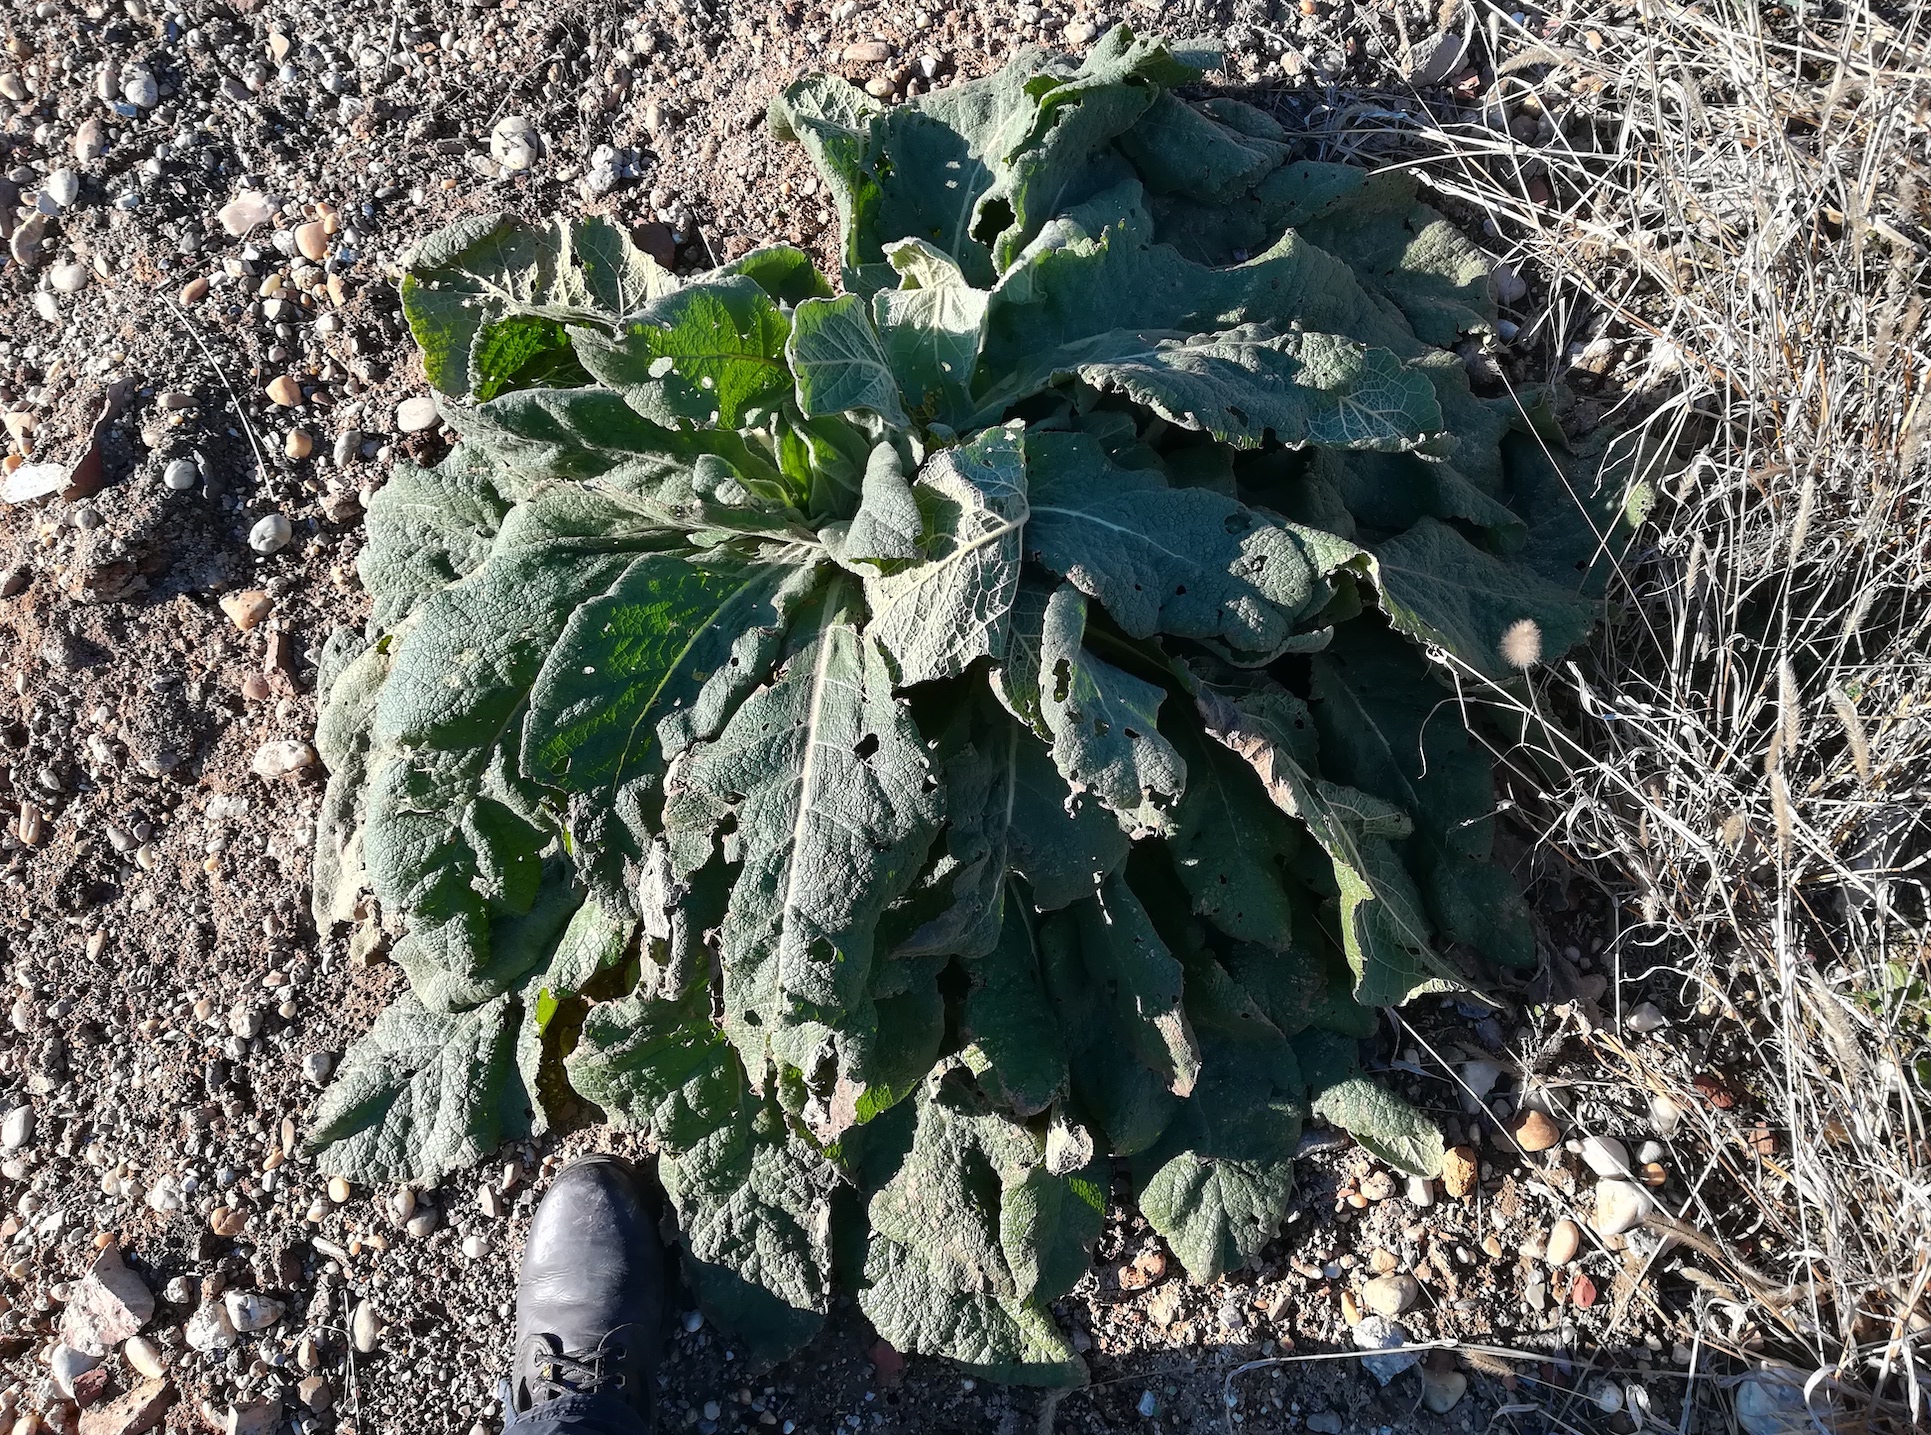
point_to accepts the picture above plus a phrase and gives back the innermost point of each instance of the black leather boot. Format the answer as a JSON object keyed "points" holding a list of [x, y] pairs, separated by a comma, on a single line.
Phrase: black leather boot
{"points": [[590, 1295]]}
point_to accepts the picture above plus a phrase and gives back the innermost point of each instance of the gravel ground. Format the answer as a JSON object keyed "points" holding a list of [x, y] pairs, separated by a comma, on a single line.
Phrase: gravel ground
{"points": [[204, 373]]}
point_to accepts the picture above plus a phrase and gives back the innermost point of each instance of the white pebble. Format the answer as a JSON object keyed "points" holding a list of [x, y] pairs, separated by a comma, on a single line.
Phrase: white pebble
{"points": [[416, 414], [67, 1365], [1480, 1078], [1620, 1207], [62, 187], [1664, 1116], [1605, 1155], [251, 1310], [475, 1247], [1645, 1018], [246, 211], [316, 1067], [18, 1128], [515, 144], [283, 758], [181, 475]]}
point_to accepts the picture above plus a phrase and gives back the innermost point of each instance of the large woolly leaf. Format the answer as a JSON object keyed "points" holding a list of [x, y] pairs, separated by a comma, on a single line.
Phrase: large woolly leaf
{"points": [[425, 529], [752, 1193], [1377, 1118], [1388, 730], [996, 1339], [704, 354], [1009, 1017], [1247, 384], [422, 1095], [1183, 561], [825, 778], [1103, 721], [1218, 1183], [932, 325], [1439, 588], [1383, 929], [1231, 846]]}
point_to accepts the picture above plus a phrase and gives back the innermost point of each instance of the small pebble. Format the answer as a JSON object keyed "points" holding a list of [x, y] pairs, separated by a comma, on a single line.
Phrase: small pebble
{"points": [[271, 534], [312, 239], [285, 758], [250, 1311], [1442, 1390], [246, 211], [147, 1358], [339, 1190], [1564, 1241], [1605, 1155], [515, 144], [316, 1067], [1390, 1295], [62, 187], [475, 1246], [364, 1326], [1620, 1207], [1375, 1332], [1534, 1130], [284, 390], [17, 1129], [298, 445], [416, 414], [1645, 1018]]}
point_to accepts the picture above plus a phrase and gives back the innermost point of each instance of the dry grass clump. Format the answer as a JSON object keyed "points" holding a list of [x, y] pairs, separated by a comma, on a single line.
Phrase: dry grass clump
{"points": [[1730, 204]]}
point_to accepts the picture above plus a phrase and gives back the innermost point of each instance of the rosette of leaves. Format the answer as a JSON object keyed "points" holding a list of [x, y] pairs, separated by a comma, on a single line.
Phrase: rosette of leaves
{"points": [[925, 753]]}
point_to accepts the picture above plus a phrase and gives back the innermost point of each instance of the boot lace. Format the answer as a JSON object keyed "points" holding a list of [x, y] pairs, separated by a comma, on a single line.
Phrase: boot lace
{"points": [[556, 1373]]}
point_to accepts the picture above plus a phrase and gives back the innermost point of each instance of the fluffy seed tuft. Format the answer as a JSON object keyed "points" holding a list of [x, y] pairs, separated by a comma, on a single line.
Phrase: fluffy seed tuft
{"points": [[1521, 644]]}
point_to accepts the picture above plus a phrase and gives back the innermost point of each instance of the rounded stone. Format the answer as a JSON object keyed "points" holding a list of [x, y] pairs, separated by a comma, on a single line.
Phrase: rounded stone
{"points": [[271, 534], [1534, 1130], [284, 758], [148, 1359], [417, 414], [365, 1326], [284, 390], [515, 144], [312, 239], [1564, 1241], [1620, 1207], [1605, 1155], [1390, 1295]]}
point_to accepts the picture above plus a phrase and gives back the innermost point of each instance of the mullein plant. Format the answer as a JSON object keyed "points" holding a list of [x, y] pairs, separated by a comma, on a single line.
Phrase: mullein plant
{"points": [[926, 751]]}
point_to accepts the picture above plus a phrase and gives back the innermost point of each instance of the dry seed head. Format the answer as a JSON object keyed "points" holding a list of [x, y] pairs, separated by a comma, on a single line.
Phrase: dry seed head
{"points": [[1521, 644]]}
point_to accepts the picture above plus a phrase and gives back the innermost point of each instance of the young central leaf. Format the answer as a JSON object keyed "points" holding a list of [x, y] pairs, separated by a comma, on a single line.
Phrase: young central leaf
{"points": [[937, 612]]}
